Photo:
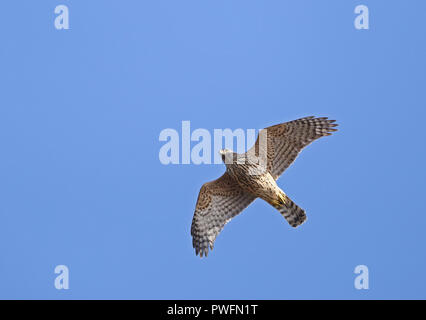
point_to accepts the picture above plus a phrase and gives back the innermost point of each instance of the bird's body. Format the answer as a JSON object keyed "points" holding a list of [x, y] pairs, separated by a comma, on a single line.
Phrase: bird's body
{"points": [[253, 175], [261, 185]]}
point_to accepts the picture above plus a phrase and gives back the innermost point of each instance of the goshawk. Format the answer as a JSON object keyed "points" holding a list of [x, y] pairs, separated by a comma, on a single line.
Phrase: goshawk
{"points": [[247, 177]]}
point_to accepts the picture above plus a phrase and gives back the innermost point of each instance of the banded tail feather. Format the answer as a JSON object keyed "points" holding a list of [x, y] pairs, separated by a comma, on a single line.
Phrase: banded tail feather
{"points": [[294, 215]]}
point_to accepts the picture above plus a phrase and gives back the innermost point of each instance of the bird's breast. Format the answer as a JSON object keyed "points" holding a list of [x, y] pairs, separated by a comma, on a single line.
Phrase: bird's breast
{"points": [[260, 185]]}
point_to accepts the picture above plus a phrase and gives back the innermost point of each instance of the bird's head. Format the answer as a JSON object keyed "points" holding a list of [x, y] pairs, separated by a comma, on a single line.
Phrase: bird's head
{"points": [[227, 155]]}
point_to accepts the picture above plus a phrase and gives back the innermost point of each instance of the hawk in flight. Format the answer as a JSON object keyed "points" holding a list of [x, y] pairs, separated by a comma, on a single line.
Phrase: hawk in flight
{"points": [[247, 178]]}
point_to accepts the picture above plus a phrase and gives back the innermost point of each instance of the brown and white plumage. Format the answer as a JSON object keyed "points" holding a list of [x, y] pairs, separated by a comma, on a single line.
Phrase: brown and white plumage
{"points": [[222, 199], [218, 202]]}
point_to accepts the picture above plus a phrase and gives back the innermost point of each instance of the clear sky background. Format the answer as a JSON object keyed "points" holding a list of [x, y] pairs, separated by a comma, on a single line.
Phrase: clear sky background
{"points": [[81, 183]]}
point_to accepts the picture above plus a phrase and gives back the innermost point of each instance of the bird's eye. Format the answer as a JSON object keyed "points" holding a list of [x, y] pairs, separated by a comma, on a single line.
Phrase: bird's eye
{"points": [[223, 157]]}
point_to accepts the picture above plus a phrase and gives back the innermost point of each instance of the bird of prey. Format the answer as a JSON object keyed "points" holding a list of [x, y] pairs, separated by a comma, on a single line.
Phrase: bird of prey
{"points": [[247, 177]]}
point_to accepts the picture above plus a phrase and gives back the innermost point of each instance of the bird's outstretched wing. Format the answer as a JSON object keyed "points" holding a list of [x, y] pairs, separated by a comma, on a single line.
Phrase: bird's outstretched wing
{"points": [[285, 141], [218, 202]]}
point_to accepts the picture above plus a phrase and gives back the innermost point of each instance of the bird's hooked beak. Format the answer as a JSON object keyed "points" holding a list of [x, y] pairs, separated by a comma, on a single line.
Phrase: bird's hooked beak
{"points": [[224, 153]]}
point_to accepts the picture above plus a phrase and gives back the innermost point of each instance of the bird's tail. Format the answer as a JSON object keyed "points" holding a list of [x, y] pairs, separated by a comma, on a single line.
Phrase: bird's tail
{"points": [[294, 215]]}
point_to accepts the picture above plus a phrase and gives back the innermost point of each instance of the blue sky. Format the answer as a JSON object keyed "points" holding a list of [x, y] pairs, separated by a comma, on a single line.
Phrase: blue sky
{"points": [[81, 183]]}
